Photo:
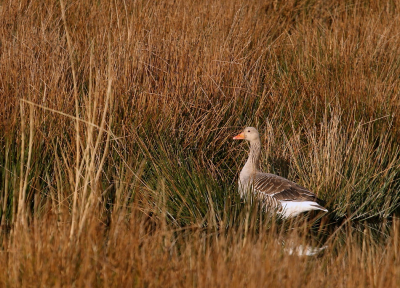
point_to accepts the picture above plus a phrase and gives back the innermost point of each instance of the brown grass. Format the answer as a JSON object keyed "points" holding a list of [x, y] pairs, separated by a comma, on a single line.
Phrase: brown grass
{"points": [[117, 165], [124, 254]]}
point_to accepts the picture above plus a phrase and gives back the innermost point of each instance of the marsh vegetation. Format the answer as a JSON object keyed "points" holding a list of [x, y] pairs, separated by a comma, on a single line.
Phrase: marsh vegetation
{"points": [[117, 163]]}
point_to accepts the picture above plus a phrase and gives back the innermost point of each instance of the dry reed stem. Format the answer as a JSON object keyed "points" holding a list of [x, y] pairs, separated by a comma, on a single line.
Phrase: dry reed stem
{"points": [[78, 147]]}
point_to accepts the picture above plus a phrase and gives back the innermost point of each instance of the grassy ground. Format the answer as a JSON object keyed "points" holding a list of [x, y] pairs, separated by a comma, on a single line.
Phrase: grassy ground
{"points": [[117, 161]]}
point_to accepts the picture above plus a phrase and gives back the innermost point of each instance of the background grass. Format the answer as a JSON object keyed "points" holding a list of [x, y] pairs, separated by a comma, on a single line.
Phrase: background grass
{"points": [[118, 166]]}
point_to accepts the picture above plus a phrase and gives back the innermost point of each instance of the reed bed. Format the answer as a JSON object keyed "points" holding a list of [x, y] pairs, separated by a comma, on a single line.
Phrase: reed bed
{"points": [[117, 162]]}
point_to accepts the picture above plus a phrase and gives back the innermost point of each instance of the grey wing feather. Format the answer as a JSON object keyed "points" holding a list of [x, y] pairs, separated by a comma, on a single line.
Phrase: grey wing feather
{"points": [[281, 188]]}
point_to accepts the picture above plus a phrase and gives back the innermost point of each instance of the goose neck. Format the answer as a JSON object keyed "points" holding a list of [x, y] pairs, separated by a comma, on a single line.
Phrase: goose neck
{"points": [[252, 163]]}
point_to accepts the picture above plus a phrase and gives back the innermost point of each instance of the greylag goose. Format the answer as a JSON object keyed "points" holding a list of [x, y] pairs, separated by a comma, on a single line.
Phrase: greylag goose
{"points": [[286, 197]]}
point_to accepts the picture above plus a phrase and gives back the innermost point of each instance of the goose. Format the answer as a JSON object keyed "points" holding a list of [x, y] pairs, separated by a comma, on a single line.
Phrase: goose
{"points": [[277, 193]]}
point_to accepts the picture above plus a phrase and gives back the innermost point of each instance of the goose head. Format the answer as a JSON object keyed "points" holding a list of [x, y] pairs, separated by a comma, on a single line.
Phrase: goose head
{"points": [[249, 134]]}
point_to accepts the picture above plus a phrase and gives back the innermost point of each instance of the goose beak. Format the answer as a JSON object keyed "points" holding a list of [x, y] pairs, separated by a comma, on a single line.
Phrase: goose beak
{"points": [[240, 136]]}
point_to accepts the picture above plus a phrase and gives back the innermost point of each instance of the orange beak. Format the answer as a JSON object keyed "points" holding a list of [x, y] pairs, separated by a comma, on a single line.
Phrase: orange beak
{"points": [[240, 136]]}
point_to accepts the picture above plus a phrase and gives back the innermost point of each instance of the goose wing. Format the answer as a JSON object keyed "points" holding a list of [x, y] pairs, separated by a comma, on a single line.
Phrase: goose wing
{"points": [[281, 188]]}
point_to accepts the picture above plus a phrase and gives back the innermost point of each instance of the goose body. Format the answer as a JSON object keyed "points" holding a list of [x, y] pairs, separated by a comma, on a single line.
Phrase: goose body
{"points": [[277, 193]]}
